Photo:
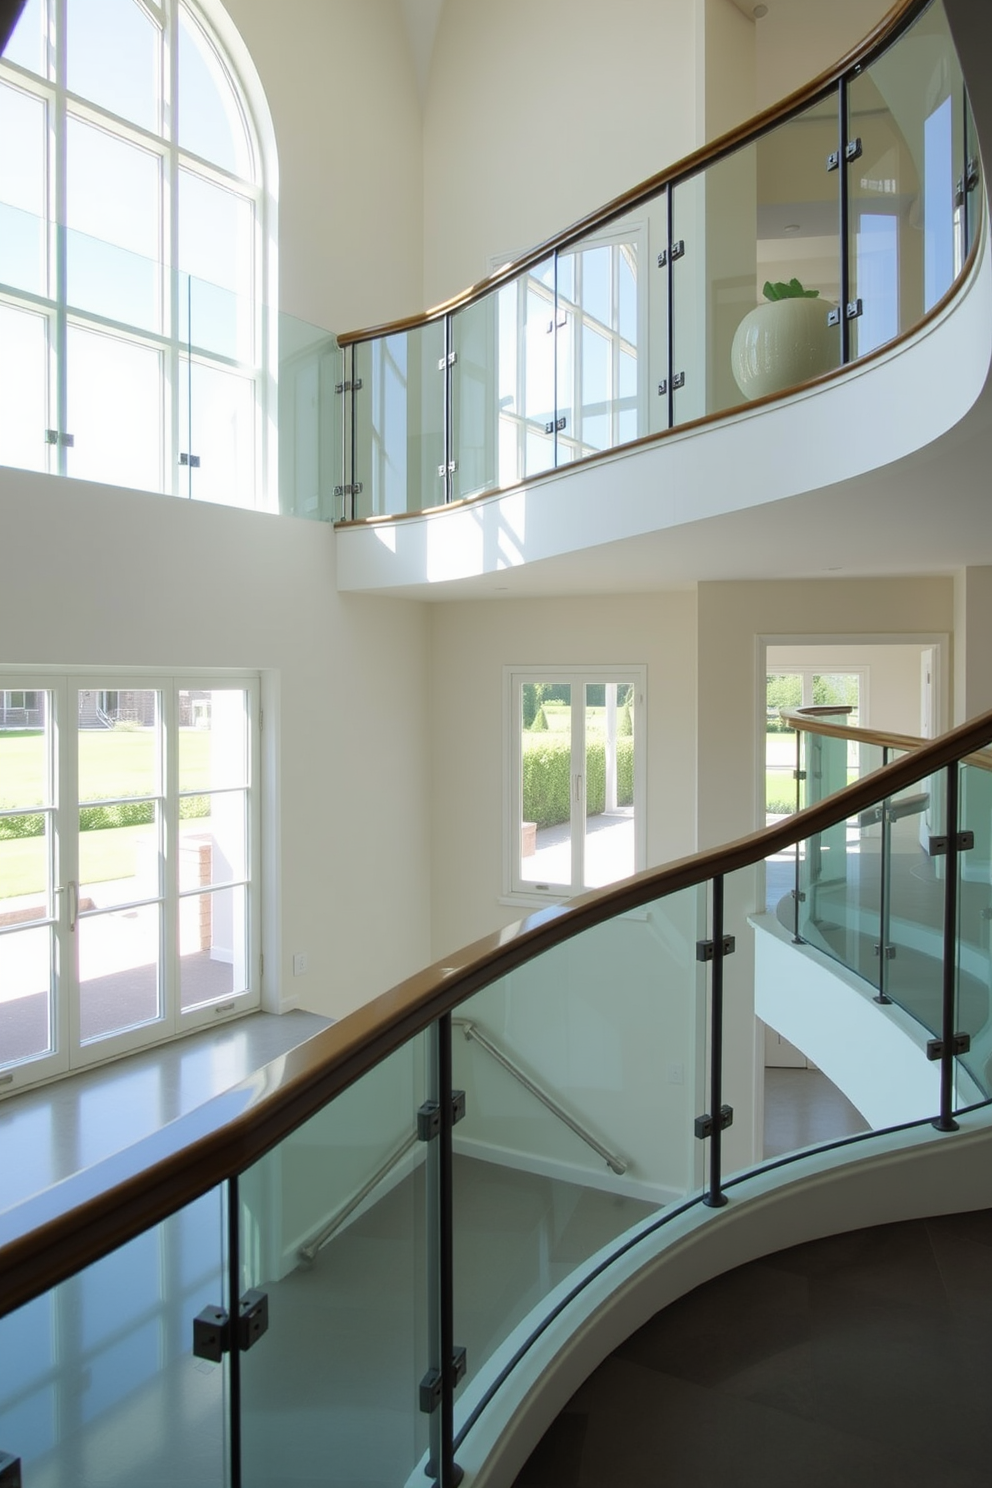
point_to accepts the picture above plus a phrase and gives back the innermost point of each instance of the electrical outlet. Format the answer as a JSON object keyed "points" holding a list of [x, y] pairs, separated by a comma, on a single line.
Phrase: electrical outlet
{"points": [[676, 1074], [301, 963]]}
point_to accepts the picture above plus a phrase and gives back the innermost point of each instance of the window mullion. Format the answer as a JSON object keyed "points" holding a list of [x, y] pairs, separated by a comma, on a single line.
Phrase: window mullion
{"points": [[170, 843], [170, 122], [57, 237], [580, 785]]}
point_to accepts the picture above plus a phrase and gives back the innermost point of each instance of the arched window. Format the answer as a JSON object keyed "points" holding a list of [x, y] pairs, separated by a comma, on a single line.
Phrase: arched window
{"points": [[132, 241]]}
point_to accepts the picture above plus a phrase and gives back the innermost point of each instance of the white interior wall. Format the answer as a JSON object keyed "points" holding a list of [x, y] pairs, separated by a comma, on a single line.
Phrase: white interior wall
{"points": [[801, 38], [539, 111], [973, 627], [342, 90], [471, 643], [144, 581]]}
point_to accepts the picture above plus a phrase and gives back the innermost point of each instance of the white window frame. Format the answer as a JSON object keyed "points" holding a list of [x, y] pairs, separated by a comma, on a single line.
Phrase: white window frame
{"points": [[177, 461], [517, 890], [68, 1054]]}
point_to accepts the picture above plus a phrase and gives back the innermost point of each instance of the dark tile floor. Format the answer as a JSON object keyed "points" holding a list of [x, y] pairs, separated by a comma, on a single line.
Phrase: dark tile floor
{"points": [[861, 1359]]}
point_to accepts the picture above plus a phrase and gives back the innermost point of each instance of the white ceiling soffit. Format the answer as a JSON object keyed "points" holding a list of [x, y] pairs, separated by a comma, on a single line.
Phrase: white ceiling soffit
{"points": [[420, 17]]}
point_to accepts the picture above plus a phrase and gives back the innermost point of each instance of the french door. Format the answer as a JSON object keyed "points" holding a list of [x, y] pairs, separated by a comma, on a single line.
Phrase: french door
{"points": [[128, 864], [576, 766]]}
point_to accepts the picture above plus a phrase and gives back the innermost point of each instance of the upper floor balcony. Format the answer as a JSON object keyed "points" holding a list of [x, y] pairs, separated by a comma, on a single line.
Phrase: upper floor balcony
{"points": [[799, 305]]}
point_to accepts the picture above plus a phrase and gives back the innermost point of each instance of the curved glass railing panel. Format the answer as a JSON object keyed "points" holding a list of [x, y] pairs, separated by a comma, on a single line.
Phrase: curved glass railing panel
{"points": [[100, 1379], [421, 1189], [333, 1232], [790, 251], [909, 197], [574, 1131]]}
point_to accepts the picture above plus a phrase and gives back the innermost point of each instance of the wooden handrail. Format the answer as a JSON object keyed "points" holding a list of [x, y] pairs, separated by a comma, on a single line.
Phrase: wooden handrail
{"points": [[54, 1234], [892, 24], [813, 720]]}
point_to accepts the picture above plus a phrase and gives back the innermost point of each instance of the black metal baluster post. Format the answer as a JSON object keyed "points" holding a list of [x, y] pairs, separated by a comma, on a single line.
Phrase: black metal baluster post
{"points": [[720, 1114], [450, 462], [351, 478], [797, 891], [670, 375], [948, 1044], [233, 1312], [885, 897], [450, 1474], [844, 225]]}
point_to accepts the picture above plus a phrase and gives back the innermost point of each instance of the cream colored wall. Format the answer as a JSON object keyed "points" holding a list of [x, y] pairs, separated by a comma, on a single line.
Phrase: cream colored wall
{"points": [[726, 43], [973, 634], [144, 581], [471, 643], [796, 41], [342, 90], [539, 111]]}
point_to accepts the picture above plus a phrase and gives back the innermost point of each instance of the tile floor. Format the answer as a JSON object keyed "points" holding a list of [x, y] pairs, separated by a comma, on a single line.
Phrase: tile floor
{"points": [[864, 1359]]}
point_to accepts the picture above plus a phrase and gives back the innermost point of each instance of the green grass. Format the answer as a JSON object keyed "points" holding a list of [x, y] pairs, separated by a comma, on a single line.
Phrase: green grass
{"points": [[112, 762], [780, 790], [106, 855]]}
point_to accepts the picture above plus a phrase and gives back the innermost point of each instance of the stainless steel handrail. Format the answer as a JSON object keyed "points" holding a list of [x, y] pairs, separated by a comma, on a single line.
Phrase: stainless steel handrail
{"points": [[307, 1253], [471, 1031]]}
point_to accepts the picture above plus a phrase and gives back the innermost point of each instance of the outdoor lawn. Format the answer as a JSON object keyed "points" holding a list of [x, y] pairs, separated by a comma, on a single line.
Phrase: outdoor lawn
{"points": [[114, 764]]}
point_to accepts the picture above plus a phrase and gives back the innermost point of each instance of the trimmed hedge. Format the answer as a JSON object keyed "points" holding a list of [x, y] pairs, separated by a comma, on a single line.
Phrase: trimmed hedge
{"points": [[97, 818], [547, 772]]}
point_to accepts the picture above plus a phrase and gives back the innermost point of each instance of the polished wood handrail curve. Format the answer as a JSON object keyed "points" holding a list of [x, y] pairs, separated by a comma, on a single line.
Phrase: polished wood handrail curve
{"points": [[814, 720], [886, 31], [56, 1233]]}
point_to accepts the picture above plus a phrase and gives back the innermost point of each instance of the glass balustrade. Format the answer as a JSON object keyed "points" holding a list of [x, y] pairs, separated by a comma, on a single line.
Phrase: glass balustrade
{"points": [[99, 1383], [817, 241], [573, 1067], [333, 1230], [404, 1246]]}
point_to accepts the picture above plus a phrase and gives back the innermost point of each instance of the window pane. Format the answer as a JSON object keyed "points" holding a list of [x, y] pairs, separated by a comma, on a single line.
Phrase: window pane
{"points": [[22, 191], [609, 827], [24, 859], [215, 250], [211, 124], [213, 843], [119, 854], [25, 993], [26, 46], [22, 171], [222, 437], [118, 970], [218, 320], [24, 772], [546, 770], [118, 744], [113, 282], [128, 215], [213, 945], [123, 75], [115, 410], [213, 738], [23, 388]]}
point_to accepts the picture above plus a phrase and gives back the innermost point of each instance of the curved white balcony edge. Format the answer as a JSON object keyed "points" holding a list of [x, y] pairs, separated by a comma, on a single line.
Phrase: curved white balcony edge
{"points": [[873, 419], [894, 1176]]}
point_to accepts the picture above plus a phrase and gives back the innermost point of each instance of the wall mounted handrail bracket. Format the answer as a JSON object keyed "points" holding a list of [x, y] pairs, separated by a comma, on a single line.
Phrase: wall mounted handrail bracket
{"points": [[472, 1031]]}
